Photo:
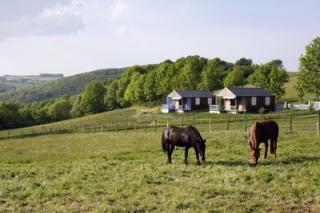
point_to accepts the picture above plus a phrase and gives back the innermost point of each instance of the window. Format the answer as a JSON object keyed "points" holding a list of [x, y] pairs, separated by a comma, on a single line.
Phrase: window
{"points": [[253, 101], [267, 101], [197, 101], [209, 101]]}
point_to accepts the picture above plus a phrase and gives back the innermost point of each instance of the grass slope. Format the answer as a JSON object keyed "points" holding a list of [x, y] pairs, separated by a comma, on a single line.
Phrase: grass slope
{"points": [[150, 118], [53, 89], [127, 171], [291, 93]]}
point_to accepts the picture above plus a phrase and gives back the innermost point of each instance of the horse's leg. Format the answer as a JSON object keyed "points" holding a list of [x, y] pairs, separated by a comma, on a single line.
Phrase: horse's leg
{"points": [[186, 149], [197, 155], [170, 150], [266, 150], [275, 148]]}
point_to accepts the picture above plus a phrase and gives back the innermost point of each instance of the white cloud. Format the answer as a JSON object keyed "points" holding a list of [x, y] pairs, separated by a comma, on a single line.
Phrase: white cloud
{"points": [[121, 30], [118, 7], [58, 19], [63, 10], [183, 11]]}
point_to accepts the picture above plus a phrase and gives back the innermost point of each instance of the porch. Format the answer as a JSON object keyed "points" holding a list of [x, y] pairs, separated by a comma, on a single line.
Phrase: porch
{"points": [[166, 108], [232, 105], [218, 109]]}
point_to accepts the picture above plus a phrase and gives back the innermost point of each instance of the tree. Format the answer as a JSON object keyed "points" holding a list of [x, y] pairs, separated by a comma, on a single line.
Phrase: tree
{"points": [[213, 74], [110, 99], [60, 109], [165, 75], [40, 112], [92, 98], [9, 116], [124, 82], [235, 77], [271, 76], [150, 87], [76, 110], [246, 65], [309, 70], [139, 89], [190, 75], [26, 117]]}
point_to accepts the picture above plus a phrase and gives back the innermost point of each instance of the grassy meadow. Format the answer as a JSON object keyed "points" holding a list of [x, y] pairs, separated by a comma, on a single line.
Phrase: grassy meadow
{"points": [[126, 171]]}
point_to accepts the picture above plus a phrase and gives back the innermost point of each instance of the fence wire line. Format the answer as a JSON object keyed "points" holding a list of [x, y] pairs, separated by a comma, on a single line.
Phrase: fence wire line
{"points": [[287, 123]]}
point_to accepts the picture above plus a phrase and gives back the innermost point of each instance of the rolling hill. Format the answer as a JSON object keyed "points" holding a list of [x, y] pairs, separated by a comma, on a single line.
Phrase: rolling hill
{"points": [[56, 88]]}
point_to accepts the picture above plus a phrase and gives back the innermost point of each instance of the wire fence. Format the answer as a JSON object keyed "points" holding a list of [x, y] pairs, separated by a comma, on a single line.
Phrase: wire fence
{"points": [[287, 123]]}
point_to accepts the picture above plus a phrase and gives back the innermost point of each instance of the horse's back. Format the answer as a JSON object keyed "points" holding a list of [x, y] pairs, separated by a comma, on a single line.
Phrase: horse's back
{"points": [[175, 135], [272, 128], [267, 129]]}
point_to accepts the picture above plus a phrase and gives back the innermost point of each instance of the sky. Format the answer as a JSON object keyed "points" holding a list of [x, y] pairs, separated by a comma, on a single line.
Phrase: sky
{"points": [[76, 36]]}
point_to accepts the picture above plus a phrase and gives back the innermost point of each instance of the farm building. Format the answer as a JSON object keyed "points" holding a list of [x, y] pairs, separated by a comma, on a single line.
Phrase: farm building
{"points": [[242, 100], [188, 100]]}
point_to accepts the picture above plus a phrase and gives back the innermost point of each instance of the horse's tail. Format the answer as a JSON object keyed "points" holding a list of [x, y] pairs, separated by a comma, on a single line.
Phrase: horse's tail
{"points": [[164, 140], [274, 138]]}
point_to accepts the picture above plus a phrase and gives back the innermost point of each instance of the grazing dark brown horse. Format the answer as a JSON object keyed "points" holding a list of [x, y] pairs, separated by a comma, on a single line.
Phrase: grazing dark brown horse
{"points": [[261, 132], [184, 137]]}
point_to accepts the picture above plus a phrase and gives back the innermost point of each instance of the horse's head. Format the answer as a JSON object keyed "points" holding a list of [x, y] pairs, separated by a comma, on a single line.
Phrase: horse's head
{"points": [[255, 156], [202, 149]]}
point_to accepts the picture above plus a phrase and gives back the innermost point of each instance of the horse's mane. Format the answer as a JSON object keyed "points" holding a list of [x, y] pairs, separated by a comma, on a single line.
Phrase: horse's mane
{"points": [[196, 132]]}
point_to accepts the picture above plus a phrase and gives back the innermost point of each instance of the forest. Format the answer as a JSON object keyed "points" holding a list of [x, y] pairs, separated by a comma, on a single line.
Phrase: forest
{"points": [[141, 85], [109, 89]]}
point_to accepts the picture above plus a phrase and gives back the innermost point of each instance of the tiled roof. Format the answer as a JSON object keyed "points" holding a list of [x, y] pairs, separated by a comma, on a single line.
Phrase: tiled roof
{"points": [[240, 91], [194, 93]]}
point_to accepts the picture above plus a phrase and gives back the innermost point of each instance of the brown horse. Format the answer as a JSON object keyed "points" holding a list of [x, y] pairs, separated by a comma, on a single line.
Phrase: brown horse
{"points": [[184, 137], [261, 132]]}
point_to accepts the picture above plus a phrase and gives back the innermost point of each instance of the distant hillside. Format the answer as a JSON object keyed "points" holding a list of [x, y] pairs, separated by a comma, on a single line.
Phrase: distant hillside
{"points": [[53, 89], [14, 82], [291, 93], [4, 87]]}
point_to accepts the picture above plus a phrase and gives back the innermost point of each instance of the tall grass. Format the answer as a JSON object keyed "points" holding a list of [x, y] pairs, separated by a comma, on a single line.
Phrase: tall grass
{"points": [[127, 171]]}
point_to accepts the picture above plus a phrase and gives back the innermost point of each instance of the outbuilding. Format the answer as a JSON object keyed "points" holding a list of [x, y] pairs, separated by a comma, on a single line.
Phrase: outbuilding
{"points": [[242, 100], [188, 100]]}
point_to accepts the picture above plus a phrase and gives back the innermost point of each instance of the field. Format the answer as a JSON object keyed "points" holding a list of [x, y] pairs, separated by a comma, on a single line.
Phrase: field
{"points": [[127, 171]]}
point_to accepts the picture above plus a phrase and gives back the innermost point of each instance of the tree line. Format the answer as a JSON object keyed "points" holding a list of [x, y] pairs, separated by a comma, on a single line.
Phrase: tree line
{"points": [[152, 83], [147, 84]]}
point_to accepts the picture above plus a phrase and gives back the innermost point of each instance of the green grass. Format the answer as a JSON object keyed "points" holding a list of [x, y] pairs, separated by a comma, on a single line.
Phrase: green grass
{"points": [[142, 118], [127, 171], [291, 93]]}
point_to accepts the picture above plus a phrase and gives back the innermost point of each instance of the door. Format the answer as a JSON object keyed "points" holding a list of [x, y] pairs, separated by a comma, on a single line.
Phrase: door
{"points": [[189, 103]]}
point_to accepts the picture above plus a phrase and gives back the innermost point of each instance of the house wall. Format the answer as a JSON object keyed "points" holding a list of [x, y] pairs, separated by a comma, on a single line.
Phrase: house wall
{"points": [[260, 104], [203, 104]]}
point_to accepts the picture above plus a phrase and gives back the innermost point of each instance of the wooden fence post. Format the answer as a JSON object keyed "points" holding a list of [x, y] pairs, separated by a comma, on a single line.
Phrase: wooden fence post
{"points": [[145, 126], [126, 124], [318, 129], [290, 124], [167, 123], [245, 124], [228, 125], [155, 125], [8, 134]]}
